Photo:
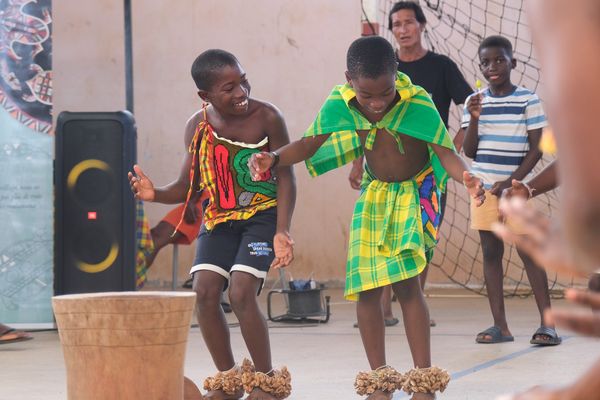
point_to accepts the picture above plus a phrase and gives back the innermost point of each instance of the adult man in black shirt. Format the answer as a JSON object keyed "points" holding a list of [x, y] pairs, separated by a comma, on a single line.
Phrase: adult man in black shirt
{"points": [[437, 74]]}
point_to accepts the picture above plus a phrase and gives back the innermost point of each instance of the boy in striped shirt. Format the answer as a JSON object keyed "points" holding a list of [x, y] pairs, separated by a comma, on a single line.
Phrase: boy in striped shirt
{"points": [[503, 125]]}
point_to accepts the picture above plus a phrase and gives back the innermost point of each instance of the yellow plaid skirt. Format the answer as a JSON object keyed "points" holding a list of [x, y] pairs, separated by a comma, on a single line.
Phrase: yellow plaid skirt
{"points": [[386, 237]]}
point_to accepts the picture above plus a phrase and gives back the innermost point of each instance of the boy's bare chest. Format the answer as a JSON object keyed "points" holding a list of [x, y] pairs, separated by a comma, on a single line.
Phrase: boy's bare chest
{"points": [[249, 132], [394, 144]]}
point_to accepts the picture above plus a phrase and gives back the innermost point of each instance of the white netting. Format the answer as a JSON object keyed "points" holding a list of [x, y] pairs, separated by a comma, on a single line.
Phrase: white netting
{"points": [[455, 28]]}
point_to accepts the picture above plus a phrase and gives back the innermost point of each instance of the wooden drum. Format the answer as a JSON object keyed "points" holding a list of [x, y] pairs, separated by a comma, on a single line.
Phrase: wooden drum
{"points": [[124, 345]]}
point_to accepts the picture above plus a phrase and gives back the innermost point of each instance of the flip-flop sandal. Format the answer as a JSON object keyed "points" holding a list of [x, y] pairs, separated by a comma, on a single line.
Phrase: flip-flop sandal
{"points": [[391, 321], [495, 334], [554, 339], [20, 336]]}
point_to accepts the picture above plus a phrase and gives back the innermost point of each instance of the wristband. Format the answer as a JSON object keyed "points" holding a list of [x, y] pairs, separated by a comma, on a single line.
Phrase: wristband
{"points": [[529, 189], [275, 159]]}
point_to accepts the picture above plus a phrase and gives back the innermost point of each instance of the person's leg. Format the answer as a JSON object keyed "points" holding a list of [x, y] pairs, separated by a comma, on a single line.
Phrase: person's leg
{"points": [[215, 254], [162, 235], [539, 284], [416, 324], [386, 304], [416, 320], [493, 251], [372, 332], [243, 299], [208, 286]]}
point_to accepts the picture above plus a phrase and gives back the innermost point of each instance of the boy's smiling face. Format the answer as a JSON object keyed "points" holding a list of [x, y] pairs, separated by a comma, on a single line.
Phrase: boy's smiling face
{"points": [[495, 64], [230, 91], [374, 95]]}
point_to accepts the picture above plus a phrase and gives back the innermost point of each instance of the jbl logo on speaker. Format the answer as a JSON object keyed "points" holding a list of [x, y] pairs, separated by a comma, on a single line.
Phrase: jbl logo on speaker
{"points": [[94, 208]]}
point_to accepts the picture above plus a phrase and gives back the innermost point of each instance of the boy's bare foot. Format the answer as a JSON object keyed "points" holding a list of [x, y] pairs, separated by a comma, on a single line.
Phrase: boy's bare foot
{"points": [[258, 394], [380, 395], [221, 395]]}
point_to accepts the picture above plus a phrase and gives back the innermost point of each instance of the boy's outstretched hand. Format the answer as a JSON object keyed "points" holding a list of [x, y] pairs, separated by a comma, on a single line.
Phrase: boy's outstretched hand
{"points": [[141, 185], [283, 246], [475, 187], [540, 238], [516, 189], [259, 163]]}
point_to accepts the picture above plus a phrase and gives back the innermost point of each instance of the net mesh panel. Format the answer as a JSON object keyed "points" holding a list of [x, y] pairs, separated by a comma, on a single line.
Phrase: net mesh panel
{"points": [[455, 28]]}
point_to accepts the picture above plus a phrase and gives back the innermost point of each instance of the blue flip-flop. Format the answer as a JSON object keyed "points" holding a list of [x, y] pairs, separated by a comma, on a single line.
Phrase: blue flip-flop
{"points": [[554, 339], [495, 336]]}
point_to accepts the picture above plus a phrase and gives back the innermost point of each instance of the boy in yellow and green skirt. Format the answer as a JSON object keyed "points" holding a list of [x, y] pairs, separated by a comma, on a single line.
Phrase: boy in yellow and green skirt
{"points": [[380, 114]]}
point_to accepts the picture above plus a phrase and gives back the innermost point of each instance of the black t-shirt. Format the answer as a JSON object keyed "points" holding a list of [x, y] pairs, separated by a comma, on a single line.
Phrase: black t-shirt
{"points": [[441, 78]]}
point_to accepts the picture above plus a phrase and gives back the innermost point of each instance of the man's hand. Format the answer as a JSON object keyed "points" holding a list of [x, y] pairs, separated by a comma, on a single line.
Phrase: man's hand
{"points": [[475, 187], [356, 174], [141, 185], [259, 163], [517, 189], [474, 105], [283, 246], [540, 238]]}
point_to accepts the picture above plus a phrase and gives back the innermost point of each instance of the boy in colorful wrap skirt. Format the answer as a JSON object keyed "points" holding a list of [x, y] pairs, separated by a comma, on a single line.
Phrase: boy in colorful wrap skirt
{"points": [[378, 113], [245, 226]]}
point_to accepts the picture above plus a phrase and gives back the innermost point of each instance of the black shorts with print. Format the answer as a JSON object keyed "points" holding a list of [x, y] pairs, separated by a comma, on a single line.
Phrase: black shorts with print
{"points": [[245, 245]]}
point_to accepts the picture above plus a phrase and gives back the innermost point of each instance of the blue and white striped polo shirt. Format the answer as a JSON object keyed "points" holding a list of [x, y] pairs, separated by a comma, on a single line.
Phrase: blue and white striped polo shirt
{"points": [[503, 127]]}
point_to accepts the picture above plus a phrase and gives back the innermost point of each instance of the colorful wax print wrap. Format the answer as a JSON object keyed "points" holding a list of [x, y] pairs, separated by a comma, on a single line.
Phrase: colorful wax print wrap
{"points": [[224, 174], [387, 239]]}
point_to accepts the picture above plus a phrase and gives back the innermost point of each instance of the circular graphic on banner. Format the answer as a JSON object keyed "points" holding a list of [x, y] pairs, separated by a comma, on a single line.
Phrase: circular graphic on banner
{"points": [[26, 62]]}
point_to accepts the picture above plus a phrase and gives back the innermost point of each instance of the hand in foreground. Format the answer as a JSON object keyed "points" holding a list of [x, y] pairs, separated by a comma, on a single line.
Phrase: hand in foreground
{"points": [[259, 163], [517, 189], [355, 176], [540, 238], [584, 322], [141, 185], [475, 187], [498, 187], [538, 393], [283, 246]]}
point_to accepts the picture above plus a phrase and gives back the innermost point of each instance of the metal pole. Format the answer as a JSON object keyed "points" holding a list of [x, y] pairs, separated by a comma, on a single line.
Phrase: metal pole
{"points": [[128, 58], [175, 266]]}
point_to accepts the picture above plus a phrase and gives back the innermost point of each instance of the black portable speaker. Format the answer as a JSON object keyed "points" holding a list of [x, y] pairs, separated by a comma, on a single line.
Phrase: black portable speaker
{"points": [[95, 211]]}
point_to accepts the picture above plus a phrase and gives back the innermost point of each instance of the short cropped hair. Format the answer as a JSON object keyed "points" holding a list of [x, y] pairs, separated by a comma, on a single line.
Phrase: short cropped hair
{"points": [[407, 5], [206, 66], [497, 41], [371, 57]]}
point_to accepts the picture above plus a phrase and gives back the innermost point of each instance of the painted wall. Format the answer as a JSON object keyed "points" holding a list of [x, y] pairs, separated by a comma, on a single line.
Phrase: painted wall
{"points": [[293, 52]]}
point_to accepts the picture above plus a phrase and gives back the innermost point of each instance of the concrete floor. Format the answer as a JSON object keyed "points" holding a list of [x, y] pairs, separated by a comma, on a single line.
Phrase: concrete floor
{"points": [[325, 358]]}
